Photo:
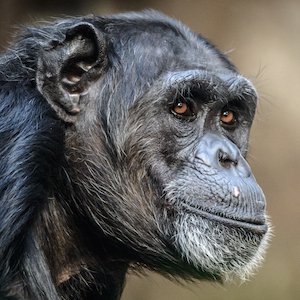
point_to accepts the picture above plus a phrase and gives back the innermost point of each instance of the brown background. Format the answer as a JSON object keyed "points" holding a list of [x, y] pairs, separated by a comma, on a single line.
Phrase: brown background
{"points": [[263, 39]]}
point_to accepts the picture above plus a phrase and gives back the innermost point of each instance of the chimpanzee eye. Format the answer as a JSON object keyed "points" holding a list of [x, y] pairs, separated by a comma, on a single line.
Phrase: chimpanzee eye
{"points": [[183, 109], [228, 117], [180, 108]]}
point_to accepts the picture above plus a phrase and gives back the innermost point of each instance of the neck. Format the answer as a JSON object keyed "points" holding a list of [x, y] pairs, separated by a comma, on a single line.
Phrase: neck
{"points": [[99, 283], [78, 258]]}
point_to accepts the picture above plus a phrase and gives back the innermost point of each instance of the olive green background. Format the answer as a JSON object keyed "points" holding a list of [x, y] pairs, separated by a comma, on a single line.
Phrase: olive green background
{"points": [[262, 38]]}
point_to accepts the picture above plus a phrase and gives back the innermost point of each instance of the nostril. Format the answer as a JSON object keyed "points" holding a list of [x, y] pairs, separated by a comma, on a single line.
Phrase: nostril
{"points": [[226, 161]]}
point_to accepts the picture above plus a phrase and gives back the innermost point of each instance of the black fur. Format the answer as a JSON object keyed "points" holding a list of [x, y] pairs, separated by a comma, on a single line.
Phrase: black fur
{"points": [[82, 187]]}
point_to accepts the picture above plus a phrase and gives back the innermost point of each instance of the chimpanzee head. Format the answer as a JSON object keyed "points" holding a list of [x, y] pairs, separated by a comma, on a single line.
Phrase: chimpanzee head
{"points": [[155, 124]]}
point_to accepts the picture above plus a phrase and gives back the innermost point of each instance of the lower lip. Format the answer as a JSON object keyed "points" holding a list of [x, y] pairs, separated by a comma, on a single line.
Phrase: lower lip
{"points": [[259, 229]]}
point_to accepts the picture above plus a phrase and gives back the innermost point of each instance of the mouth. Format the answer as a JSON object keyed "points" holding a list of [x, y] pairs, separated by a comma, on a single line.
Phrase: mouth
{"points": [[257, 225]]}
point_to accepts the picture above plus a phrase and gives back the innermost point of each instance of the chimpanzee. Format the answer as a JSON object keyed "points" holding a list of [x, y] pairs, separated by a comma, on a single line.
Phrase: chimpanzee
{"points": [[123, 145]]}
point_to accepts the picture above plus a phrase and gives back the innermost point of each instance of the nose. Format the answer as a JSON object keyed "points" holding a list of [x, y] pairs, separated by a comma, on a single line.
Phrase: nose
{"points": [[220, 153]]}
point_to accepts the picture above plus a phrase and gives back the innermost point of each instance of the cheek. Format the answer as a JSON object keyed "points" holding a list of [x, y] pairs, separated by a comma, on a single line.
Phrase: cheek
{"points": [[240, 138]]}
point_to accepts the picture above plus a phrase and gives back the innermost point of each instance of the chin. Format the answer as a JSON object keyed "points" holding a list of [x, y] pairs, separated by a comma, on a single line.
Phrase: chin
{"points": [[221, 249]]}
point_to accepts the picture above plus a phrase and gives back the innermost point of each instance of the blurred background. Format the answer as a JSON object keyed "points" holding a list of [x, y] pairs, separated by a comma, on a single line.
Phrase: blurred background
{"points": [[262, 38]]}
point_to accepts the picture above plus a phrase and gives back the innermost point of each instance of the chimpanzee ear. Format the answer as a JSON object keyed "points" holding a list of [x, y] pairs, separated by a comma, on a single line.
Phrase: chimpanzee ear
{"points": [[68, 68]]}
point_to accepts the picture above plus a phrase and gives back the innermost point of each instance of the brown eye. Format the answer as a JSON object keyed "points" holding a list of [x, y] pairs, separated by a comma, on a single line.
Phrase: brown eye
{"points": [[180, 108], [228, 117], [183, 109]]}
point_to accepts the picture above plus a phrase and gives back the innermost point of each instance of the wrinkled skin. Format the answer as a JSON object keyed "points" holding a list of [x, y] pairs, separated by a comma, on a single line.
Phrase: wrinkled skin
{"points": [[123, 144]]}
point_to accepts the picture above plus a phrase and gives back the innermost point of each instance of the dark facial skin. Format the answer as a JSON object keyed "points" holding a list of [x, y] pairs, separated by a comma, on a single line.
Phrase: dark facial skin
{"points": [[124, 143]]}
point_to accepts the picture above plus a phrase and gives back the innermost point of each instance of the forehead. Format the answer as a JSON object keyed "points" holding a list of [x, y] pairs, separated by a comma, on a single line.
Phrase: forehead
{"points": [[158, 43]]}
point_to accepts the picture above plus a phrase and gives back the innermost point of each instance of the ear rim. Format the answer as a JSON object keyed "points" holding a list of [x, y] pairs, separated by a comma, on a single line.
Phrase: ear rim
{"points": [[54, 57]]}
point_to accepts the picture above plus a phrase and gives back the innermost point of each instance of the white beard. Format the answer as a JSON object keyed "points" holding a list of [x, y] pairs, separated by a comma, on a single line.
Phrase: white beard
{"points": [[217, 249]]}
